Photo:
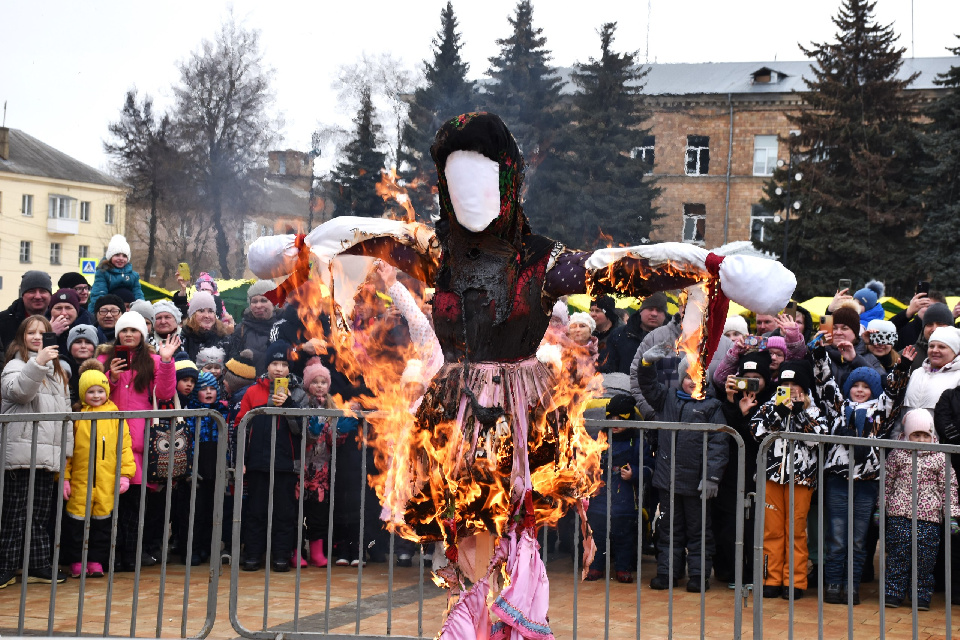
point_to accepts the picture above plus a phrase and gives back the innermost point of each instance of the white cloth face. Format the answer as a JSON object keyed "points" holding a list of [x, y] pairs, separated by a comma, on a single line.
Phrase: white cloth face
{"points": [[473, 181]]}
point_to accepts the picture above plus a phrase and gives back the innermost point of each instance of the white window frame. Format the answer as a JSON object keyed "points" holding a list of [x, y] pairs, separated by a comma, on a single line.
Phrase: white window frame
{"points": [[693, 214], [26, 204], [84, 212], [765, 150], [109, 214], [695, 153], [26, 251], [646, 152], [83, 251], [61, 207], [759, 214], [56, 250]]}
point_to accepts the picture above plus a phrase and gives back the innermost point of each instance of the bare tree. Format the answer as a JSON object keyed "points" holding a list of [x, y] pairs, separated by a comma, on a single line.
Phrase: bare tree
{"points": [[222, 122], [147, 160]]}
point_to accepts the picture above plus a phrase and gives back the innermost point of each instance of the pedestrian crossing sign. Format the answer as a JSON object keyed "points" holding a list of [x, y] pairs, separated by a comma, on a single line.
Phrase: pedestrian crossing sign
{"points": [[88, 266]]}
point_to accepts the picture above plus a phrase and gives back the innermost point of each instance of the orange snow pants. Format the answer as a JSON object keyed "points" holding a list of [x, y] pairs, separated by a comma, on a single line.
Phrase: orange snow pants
{"points": [[776, 534]]}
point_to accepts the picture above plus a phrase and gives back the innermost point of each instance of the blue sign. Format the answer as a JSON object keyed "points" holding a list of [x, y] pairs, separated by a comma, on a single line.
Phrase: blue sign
{"points": [[88, 266]]}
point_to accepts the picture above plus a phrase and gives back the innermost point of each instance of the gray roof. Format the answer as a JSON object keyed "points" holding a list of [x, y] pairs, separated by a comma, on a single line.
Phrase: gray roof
{"points": [[700, 78], [31, 157]]}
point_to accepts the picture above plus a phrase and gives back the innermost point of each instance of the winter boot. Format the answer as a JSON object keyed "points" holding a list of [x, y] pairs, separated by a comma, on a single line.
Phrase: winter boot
{"points": [[317, 558]]}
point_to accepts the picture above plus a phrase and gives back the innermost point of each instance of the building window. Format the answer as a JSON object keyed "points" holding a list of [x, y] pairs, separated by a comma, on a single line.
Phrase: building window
{"points": [[26, 205], [645, 152], [54, 253], [84, 212], [282, 159], [764, 155], [694, 222], [61, 207], [108, 214], [698, 155], [759, 219], [84, 251], [25, 251]]}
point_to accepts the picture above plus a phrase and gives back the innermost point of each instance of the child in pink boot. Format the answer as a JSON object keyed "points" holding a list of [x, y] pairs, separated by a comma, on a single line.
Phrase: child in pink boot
{"points": [[316, 506]]}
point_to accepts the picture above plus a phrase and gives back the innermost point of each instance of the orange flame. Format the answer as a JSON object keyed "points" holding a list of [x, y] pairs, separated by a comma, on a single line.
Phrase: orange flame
{"points": [[390, 189], [438, 484]]}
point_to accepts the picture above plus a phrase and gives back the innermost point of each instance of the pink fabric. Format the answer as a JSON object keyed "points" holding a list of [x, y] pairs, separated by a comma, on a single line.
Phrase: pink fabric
{"points": [[129, 399], [523, 603], [469, 619]]}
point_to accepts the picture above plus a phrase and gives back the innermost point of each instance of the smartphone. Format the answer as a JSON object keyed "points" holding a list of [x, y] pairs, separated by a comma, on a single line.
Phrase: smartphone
{"points": [[782, 395], [281, 383], [826, 324], [123, 352], [845, 283], [184, 270], [49, 339], [752, 341], [791, 309], [923, 287], [747, 384]]}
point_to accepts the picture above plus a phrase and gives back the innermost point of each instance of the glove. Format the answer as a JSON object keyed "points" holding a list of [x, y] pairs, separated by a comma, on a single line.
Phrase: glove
{"points": [[951, 433], [658, 352], [313, 426], [876, 518], [124, 484], [66, 490], [708, 489], [954, 527]]}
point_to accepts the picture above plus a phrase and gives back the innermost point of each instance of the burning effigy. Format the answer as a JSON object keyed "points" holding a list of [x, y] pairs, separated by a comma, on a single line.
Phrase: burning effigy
{"points": [[497, 446]]}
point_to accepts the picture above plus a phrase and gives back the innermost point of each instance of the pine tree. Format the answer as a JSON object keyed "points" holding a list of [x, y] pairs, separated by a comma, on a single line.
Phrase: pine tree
{"points": [[937, 257], [356, 176], [589, 183], [447, 93], [856, 152], [525, 91]]}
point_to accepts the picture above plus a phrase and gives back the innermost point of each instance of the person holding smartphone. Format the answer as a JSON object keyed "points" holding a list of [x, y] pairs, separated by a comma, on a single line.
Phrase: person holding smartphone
{"points": [[273, 388], [32, 382]]}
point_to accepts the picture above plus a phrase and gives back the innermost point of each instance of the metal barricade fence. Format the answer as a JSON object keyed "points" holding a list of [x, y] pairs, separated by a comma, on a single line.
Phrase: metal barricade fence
{"points": [[791, 440], [54, 621], [376, 614]]}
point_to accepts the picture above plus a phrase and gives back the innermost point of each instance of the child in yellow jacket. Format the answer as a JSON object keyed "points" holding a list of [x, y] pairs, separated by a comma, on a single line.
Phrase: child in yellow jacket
{"points": [[95, 396]]}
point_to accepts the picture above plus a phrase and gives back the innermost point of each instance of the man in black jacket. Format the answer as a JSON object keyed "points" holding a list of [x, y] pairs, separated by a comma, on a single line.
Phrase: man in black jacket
{"points": [[35, 290], [622, 344]]}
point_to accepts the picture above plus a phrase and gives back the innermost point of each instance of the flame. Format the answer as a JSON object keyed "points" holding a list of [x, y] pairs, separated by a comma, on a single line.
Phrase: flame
{"points": [[438, 483], [604, 238], [390, 189]]}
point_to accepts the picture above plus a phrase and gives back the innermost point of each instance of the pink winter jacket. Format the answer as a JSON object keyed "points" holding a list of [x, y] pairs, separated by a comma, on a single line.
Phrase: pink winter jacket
{"points": [[930, 485], [129, 399]]}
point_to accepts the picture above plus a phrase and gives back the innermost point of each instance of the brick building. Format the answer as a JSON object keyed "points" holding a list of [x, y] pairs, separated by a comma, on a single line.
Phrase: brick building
{"points": [[716, 131]]}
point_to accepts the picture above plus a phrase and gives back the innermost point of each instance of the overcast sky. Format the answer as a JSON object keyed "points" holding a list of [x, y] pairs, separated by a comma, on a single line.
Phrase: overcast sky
{"points": [[66, 65]]}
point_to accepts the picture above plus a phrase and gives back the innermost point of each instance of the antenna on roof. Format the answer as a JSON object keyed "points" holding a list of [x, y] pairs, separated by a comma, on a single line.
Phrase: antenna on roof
{"points": [[646, 55], [4, 113]]}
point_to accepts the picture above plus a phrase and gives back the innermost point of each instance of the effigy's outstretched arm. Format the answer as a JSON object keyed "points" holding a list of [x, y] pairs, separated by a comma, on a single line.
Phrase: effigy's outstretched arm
{"points": [[409, 246], [759, 284]]}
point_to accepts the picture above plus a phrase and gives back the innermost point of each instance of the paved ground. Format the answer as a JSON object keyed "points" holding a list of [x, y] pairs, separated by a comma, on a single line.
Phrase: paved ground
{"points": [[403, 617]]}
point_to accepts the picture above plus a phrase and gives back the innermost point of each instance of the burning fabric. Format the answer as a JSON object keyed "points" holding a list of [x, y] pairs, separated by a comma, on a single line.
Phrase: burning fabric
{"points": [[497, 447]]}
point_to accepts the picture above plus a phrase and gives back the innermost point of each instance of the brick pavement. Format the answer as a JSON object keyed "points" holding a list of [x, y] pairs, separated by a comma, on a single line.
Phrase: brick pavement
{"points": [[654, 620]]}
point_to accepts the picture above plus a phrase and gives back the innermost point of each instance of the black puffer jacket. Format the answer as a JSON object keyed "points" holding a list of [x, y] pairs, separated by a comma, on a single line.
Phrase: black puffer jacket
{"points": [[252, 333], [194, 341], [946, 420], [622, 345], [671, 407]]}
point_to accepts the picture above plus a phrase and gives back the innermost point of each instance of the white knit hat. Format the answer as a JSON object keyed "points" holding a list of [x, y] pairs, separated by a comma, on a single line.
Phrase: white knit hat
{"points": [[918, 420], [260, 287], [736, 323], [948, 336], [561, 313], [118, 244], [166, 306], [201, 300], [583, 317], [132, 320]]}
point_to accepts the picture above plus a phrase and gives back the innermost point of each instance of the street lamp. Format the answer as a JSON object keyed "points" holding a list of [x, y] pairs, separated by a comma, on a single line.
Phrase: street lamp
{"points": [[796, 204]]}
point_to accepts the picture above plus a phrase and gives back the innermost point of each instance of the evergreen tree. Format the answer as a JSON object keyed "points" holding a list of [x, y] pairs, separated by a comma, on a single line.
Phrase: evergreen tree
{"points": [[447, 93], [356, 176], [525, 91], [589, 183], [938, 259], [856, 152]]}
